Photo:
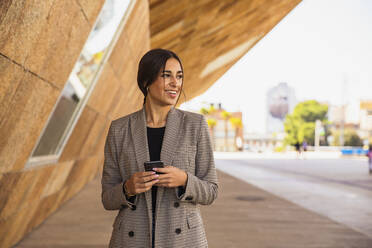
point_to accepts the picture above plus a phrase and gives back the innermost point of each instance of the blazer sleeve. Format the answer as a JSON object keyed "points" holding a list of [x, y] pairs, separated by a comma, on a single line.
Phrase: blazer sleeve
{"points": [[113, 197], [201, 188]]}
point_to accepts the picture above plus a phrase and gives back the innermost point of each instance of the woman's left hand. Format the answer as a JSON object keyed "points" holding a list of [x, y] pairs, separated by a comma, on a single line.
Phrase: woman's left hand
{"points": [[172, 177]]}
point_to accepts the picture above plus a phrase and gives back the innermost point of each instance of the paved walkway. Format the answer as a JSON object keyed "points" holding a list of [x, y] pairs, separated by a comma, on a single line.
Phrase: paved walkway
{"points": [[242, 216]]}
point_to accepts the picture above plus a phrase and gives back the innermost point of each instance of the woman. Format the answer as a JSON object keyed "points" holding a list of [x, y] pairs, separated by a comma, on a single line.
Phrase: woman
{"points": [[369, 155], [159, 210]]}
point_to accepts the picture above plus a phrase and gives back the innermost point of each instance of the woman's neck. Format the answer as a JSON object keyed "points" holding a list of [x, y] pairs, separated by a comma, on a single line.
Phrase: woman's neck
{"points": [[156, 115]]}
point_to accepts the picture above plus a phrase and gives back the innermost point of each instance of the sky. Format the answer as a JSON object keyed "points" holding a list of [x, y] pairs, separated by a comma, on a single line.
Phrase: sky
{"points": [[322, 49]]}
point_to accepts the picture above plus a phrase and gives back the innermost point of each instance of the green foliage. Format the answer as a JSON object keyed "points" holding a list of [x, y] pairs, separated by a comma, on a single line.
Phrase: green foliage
{"points": [[300, 125], [236, 122], [310, 111], [307, 132], [225, 115], [212, 122], [351, 138], [279, 149], [204, 111]]}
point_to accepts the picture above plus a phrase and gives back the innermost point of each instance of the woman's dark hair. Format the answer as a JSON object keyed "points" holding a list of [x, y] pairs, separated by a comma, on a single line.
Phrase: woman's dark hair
{"points": [[150, 65]]}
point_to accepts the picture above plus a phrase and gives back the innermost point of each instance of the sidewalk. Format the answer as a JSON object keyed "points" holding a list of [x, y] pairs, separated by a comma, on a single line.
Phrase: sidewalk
{"points": [[242, 216]]}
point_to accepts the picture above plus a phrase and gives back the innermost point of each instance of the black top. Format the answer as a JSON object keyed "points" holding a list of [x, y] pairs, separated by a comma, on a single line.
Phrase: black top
{"points": [[155, 141]]}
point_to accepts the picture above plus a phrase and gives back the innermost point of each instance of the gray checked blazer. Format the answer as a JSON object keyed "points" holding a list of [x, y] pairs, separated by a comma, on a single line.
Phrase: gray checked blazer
{"points": [[186, 145]]}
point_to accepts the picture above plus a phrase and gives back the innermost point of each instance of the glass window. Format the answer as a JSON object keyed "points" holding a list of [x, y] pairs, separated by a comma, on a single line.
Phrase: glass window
{"points": [[81, 81]]}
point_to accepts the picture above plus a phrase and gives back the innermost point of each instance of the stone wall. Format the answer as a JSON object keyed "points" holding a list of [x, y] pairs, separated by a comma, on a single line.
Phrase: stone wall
{"points": [[40, 42]]}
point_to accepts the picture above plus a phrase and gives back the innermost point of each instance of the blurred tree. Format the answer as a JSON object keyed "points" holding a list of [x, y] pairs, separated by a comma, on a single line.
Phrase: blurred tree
{"points": [[300, 125], [225, 116], [351, 138], [307, 132], [211, 109], [204, 111], [212, 123]]}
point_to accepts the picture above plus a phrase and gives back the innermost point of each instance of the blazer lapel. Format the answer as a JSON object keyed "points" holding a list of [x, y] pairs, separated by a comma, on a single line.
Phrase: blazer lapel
{"points": [[139, 136], [173, 130]]}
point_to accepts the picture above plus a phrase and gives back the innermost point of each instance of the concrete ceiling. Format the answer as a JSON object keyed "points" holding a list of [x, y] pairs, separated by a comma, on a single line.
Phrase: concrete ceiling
{"points": [[210, 36]]}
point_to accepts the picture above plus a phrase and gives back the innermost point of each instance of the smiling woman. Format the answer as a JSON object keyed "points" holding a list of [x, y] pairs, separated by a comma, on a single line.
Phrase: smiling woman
{"points": [[159, 207], [160, 72]]}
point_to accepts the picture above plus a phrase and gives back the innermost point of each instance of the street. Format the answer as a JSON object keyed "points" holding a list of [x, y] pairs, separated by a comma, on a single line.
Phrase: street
{"points": [[339, 188]]}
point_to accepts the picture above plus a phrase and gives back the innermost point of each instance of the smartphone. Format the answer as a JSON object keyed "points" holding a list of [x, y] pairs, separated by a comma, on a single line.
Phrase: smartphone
{"points": [[149, 165]]}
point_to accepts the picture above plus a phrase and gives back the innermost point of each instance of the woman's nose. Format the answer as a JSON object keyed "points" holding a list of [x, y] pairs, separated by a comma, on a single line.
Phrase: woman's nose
{"points": [[174, 81]]}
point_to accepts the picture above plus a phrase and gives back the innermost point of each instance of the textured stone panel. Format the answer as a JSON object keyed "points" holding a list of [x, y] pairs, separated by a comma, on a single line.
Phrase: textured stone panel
{"points": [[93, 137], [10, 77], [120, 55], [8, 183], [116, 99], [137, 27], [99, 147], [57, 179], [40, 180], [79, 135], [91, 9], [18, 225], [20, 24], [124, 102], [60, 42], [46, 207], [26, 116], [80, 174], [15, 190], [104, 90], [127, 74]]}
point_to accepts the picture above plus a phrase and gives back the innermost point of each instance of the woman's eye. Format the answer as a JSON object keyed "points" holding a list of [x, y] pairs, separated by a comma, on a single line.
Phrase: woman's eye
{"points": [[165, 75], [180, 76]]}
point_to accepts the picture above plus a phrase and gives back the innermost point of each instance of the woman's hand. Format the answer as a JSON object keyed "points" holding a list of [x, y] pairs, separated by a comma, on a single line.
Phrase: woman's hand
{"points": [[141, 182], [172, 177]]}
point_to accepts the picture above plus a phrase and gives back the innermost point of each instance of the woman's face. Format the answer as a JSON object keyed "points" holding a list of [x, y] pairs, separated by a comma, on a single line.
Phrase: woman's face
{"points": [[167, 87]]}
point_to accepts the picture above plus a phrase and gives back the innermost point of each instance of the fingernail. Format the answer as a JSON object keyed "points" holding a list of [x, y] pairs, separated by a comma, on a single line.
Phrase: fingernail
{"points": [[155, 169], [153, 172], [157, 175]]}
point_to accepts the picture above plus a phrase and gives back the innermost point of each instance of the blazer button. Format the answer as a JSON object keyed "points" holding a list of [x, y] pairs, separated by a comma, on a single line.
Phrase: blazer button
{"points": [[134, 207], [188, 198], [176, 204], [131, 234], [178, 230]]}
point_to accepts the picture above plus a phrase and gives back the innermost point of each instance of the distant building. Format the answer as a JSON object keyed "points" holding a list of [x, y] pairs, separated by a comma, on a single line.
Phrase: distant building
{"points": [[234, 134], [339, 113], [262, 142], [365, 118], [339, 116], [280, 101]]}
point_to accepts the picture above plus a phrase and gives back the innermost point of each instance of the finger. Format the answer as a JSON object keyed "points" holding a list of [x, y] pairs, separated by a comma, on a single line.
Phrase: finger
{"points": [[146, 173], [149, 178], [165, 179], [142, 187], [148, 185], [163, 176], [168, 185], [164, 170]]}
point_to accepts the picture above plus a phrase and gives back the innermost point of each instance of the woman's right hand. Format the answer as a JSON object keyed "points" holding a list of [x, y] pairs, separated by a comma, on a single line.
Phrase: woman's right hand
{"points": [[141, 182]]}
